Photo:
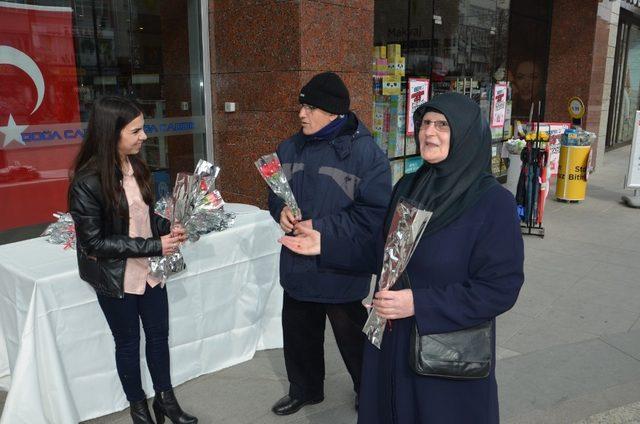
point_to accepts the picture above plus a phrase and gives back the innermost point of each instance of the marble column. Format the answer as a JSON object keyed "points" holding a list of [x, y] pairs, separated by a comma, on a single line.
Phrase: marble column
{"points": [[583, 36], [262, 52]]}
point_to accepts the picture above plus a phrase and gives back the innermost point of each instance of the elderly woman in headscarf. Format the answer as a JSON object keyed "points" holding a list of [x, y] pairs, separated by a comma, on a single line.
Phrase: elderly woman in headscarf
{"points": [[466, 270]]}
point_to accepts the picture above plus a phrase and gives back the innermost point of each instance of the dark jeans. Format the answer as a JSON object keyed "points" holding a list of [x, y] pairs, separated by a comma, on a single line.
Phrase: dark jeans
{"points": [[303, 325], [123, 316]]}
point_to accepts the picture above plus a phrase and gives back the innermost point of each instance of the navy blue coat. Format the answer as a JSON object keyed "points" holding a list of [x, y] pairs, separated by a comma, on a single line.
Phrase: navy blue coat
{"points": [[344, 186], [462, 275]]}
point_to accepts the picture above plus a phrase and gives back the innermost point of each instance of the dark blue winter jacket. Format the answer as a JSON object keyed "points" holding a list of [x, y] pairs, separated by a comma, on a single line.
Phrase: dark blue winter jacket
{"points": [[344, 186]]}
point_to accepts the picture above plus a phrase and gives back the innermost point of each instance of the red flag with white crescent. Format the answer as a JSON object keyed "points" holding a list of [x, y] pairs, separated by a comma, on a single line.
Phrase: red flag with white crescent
{"points": [[39, 111]]}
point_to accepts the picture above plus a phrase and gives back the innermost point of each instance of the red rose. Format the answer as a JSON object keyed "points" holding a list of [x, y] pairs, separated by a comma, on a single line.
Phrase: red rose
{"points": [[269, 169]]}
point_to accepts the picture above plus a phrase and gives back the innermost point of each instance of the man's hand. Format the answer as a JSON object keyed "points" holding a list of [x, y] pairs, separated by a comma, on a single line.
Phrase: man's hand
{"points": [[307, 224], [394, 304], [287, 220], [306, 242]]}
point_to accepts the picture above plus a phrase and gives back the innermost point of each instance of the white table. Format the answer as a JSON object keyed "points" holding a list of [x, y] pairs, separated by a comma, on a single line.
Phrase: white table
{"points": [[56, 350]]}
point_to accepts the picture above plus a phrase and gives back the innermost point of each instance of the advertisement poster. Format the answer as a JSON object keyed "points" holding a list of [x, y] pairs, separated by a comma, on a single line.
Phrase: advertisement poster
{"points": [[417, 94], [499, 105]]}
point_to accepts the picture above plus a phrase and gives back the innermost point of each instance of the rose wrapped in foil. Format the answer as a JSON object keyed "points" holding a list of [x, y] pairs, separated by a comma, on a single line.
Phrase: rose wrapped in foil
{"points": [[164, 207], [184, 192], [205, 221], [207, 214], [271, 170], [62, 231], [207, 197], [162, 267], [407, 226], [197, 206], [176, 209], [204, 168]]}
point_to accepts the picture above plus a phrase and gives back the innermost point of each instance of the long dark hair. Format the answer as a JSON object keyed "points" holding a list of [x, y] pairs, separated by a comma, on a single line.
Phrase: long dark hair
{"points": [[99, 151]]}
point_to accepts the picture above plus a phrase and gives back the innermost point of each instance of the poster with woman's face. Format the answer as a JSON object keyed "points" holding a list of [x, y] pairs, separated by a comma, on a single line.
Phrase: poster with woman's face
{"points": [[526, 83], [528, 52]]}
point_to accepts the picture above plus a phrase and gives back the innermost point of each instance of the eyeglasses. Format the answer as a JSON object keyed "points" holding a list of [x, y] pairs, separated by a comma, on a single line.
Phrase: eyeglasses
{"points": [[441, 126], [308, 108]]}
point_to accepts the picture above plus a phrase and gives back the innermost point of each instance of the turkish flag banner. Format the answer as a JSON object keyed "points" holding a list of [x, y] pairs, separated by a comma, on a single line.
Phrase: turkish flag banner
{"points": [[40, 130]]}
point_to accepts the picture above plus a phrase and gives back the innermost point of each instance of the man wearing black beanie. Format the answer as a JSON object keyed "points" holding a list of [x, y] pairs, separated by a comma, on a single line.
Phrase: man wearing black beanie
{"points": [[326, 91], [342, 183]]}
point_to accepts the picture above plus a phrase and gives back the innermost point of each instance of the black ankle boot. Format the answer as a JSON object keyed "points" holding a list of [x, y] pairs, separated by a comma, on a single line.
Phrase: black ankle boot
{"points": [[165, 403], [140, 412]]}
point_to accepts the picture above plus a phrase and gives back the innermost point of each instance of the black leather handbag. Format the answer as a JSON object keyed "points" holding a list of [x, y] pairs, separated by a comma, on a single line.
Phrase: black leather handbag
{"points": [[461, 355]]}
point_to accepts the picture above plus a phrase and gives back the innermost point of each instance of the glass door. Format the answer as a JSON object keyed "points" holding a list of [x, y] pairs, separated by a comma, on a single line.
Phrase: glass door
{"points": [[625, 90]]}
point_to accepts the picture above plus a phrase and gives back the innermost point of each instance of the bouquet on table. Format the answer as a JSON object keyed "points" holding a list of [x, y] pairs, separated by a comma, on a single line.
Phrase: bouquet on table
{"points": [[407, 226], [271, 170], [198, 207], [61, 232]]}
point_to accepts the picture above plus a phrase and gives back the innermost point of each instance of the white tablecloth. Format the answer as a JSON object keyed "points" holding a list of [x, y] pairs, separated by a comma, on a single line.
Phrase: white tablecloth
{"points": [[56, 350]]}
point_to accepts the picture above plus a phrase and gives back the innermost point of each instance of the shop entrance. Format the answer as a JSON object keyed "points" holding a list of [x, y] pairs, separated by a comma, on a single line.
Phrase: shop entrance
{"points": [[625, 89]]}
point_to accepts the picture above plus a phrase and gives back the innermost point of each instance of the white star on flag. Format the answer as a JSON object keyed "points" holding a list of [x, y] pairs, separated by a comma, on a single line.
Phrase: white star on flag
{"points": [[12, 132]]}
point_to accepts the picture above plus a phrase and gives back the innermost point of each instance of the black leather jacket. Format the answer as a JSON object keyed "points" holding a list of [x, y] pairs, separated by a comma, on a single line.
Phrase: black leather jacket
{"points": [[103, 243]]}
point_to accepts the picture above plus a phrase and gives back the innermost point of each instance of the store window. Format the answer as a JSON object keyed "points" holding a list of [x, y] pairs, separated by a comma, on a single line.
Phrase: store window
{"points": [[57, 58], [625, 90], [528, 55], [445, 46]]}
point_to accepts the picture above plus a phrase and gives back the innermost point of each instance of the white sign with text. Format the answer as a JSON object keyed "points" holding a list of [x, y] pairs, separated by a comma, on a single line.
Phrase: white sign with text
{"points": [[633, 175], [417, 94]]}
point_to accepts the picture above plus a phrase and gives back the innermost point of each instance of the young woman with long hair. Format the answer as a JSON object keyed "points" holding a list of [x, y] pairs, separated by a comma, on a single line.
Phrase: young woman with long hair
{"points": [[111, 202]]}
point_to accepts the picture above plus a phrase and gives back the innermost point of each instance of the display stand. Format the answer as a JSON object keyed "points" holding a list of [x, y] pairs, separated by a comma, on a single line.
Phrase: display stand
{"points": [[533, 184]]}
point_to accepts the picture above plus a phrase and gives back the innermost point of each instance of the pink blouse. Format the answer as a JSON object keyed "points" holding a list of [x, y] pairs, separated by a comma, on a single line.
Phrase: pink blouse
{"points": [[136, 274]]}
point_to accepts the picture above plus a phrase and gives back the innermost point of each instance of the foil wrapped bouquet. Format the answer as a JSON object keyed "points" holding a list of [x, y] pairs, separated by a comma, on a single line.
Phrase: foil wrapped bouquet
{"points": [[271, 171], [407, 226], [62, 231], [198, 207]]}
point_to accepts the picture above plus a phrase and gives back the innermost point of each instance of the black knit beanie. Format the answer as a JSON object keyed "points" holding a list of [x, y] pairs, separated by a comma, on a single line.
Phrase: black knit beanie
{"points": [[326, 91]]}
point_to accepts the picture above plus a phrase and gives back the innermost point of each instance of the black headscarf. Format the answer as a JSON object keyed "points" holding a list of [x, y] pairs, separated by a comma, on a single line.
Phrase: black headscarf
{"points": [[450, 187]]}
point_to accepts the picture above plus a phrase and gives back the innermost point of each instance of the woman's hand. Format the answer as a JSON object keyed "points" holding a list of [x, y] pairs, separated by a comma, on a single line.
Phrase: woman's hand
{"points": [[179, 231], [170, 244], [394, 304], [287, 220], [306, 242]]}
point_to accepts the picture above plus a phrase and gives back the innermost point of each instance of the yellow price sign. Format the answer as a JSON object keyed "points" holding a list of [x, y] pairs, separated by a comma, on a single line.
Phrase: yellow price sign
{"points": [[576, 108]]}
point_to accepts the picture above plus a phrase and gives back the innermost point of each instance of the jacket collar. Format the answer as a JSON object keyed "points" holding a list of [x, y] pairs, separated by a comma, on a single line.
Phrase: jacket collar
{"points": [[343, 143]]}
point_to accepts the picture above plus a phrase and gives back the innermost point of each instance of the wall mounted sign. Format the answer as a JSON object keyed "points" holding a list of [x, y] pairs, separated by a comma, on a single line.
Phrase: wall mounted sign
{"points": [[576, 108]]}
